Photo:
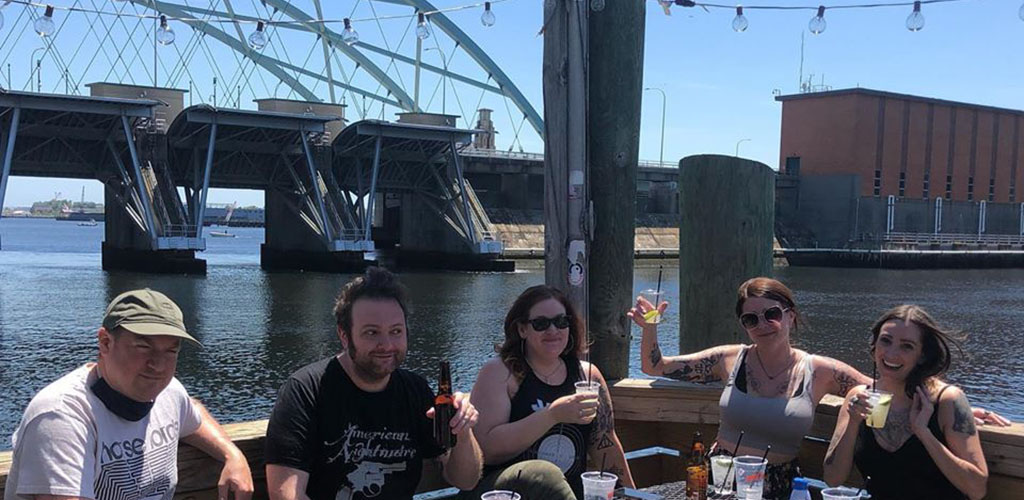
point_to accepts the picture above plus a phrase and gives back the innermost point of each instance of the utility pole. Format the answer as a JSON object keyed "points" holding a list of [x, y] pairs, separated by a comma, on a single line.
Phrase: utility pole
{"points": [[590, 174]]}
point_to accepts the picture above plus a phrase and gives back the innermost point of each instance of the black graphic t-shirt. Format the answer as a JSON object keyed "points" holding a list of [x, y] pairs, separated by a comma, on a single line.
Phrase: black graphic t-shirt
{"points": [[354, 444], [564, 445]]}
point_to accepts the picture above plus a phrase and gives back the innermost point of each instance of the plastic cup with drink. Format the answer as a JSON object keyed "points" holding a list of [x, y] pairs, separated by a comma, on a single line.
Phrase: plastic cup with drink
{"points": [[500, 495], [655, 297], [749, 477], [723, 474], [880, 402], [598, 485], [841, 493]]}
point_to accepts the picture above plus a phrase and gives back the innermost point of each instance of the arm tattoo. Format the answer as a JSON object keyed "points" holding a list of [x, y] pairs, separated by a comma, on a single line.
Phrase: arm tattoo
{"points": [[604, 423], [963, 419], [655, 355], [701, 370], [843, 380]]}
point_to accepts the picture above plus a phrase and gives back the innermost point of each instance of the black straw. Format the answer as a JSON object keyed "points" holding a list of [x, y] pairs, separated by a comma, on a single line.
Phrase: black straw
{"points": [[603, 458], [866, 480], [729, 468], [874, 374], [657, 291], [766, 450]]}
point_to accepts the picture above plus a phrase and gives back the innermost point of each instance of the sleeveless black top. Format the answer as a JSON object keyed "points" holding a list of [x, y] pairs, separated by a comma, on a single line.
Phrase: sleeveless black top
{"points": [[564, 445], [909, 473]]}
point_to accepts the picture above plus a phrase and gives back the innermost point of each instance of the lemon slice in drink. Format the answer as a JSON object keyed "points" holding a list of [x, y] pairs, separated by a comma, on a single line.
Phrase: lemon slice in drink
{"points": [[652, 316]]}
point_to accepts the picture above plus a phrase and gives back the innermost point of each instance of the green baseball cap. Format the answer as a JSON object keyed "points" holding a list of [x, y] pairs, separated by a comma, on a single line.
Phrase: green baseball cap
{"points": [[146, 312]]}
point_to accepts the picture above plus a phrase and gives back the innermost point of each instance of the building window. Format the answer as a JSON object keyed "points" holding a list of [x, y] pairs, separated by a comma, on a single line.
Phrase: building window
{"points": [[903, 183], [991, 190], [924, 190], [793, 165], [878, 182], [949, 187], [970, 188], [1013, 194]]}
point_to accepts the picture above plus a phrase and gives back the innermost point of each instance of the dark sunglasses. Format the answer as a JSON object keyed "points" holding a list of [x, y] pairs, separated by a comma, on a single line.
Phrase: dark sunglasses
{"points": [[773, 313], [541, 323]]}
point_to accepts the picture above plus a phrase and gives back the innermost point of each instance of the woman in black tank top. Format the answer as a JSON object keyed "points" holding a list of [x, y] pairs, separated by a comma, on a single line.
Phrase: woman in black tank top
{"points": [[535, 432], [929, 447]]}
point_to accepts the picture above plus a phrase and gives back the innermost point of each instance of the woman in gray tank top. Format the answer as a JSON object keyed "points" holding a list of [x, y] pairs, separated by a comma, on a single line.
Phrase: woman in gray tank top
{"points": [[771, 388]]}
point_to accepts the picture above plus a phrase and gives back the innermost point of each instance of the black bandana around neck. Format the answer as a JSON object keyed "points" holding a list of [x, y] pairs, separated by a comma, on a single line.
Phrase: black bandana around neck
{"points": [[119, 404]]}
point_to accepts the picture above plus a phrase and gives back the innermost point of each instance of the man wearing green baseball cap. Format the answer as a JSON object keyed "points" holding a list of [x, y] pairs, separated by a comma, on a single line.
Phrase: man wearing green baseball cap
{"points": [[109, 430]]}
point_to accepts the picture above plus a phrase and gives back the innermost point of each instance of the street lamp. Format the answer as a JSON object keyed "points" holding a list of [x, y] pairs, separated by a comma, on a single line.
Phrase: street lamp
{"points": [[664, 99], [444, 85], [38, 70], [741, 141]]}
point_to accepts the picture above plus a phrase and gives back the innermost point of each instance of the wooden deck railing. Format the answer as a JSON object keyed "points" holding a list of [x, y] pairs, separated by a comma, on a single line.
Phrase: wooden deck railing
{"points": [[648, 413]]}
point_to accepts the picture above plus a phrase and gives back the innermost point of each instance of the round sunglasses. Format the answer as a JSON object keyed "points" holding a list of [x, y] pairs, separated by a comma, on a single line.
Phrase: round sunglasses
{"points": [[751, 320], [541, 323]]}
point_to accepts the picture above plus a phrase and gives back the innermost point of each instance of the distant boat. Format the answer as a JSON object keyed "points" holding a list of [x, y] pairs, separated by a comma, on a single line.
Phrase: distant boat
{"points": [[225, 233], [221, 234], [88, 223]]}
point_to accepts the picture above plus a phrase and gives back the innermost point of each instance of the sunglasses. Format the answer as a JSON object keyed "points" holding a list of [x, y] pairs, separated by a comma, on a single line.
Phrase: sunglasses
{"points": [[750, 320], [541, 323]]}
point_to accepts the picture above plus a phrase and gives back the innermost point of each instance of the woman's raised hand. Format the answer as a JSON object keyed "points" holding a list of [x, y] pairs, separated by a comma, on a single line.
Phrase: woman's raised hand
{"points": [[857, 405], [574, 409], [643, 312]]}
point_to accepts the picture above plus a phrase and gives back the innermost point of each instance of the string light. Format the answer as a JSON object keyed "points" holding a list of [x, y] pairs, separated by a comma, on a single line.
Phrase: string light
{"points": [[915, 21], [164, 34], [666, 5], [258, 39], [349, 35], [817, 24], [422, 28], [740, 23], [44, 25], [597, 5], [487, 18]]}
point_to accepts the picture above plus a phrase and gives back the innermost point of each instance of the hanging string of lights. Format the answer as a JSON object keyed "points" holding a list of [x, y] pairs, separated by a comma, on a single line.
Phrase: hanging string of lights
{"points": [[45, 26], [817, 24]]}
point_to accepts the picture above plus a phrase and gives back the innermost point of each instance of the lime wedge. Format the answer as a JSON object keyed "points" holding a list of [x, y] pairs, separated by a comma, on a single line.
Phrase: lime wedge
{"points": [[652, 316]]}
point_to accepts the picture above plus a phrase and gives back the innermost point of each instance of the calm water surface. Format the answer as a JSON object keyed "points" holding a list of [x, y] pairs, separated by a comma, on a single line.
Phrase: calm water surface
{"points": [[258, 327]]}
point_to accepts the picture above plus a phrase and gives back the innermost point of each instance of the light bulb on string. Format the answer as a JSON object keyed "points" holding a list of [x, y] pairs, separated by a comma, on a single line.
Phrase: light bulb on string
{"points": [[740, 23], [258, 39], [666, 5], [349, 35], [818, 24], [422, 28], [597, 5], [487, 18], [164, 34], [915, 21], [44, 25]]}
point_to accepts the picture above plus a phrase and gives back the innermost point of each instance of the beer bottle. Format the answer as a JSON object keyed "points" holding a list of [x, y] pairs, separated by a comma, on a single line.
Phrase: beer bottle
{"points": [[444, 409], [697, 471]]}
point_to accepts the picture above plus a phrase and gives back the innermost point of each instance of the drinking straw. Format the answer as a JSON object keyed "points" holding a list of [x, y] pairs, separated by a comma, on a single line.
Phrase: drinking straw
{"points": [[657, 291], [874, 374], [603, 458], [766, 450], [729, 468], [867, 479]]}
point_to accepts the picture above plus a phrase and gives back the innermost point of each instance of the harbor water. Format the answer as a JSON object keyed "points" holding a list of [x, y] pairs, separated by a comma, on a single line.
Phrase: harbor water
{"points": [[258, 327]]}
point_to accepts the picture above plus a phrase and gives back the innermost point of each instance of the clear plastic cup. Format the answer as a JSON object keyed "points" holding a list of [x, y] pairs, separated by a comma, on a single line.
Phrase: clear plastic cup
{"points": [[655, 297], [598, 485], [500, 495], [749, 477], [880, 402], [723, 473], [841, 493], [593, 387]]}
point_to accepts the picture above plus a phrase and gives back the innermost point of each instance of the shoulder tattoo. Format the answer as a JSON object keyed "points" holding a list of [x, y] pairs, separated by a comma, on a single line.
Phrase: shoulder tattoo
{"points": [[701, 370], [843, 380], [963, 419]]}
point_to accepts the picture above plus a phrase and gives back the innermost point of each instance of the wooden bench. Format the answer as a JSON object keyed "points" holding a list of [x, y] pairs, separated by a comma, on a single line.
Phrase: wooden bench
{"points": [[649, 413]]}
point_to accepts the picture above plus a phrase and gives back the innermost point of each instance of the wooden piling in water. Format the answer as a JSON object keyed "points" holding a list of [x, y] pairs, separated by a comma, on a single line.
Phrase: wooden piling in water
{"points": [[726, 228]]}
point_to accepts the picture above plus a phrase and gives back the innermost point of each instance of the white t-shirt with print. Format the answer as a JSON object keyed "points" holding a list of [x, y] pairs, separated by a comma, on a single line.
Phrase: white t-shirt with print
{"points": [[70, 444]]}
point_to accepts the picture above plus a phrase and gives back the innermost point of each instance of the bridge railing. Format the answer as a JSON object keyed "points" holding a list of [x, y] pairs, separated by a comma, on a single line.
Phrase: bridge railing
{"points": [[522, 155], [954, 238], [179, 231]]}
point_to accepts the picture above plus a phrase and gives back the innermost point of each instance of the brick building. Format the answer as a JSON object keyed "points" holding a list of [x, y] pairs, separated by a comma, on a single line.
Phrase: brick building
{"points": [[852, 149]]}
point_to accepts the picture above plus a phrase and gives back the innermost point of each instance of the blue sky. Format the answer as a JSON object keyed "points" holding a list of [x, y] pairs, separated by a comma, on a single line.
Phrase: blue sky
{"points": [[719, 83]]}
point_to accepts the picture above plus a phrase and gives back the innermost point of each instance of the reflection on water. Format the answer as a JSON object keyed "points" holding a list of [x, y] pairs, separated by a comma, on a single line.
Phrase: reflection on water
{"points": [[257, 327]]}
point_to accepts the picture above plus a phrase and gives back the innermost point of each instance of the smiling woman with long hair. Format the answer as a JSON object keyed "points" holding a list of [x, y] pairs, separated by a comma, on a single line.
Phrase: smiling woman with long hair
{"points": [[536, 433], [928, 447]]}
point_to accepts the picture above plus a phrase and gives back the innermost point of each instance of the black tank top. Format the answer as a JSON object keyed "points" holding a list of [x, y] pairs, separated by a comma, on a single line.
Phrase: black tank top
{"points": [[564, 445], [909, 473]]}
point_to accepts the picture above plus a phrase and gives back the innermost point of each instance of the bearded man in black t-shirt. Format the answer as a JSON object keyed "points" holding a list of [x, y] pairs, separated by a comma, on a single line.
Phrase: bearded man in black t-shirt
{"points": [[355, 426]]}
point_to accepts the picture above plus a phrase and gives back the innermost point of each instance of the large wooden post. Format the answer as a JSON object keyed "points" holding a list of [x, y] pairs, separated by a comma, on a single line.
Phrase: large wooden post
{"points": [[566, 262], [726, 228], [613, 129]]}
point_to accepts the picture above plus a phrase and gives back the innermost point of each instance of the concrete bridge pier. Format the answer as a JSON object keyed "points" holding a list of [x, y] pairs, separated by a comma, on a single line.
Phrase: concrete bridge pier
{"points": [[126, 247], [292, 244], [429, 240]]}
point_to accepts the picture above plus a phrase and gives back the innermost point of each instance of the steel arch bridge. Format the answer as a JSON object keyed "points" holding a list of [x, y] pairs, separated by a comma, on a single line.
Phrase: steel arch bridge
{"points": [[389, 70]]}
